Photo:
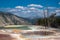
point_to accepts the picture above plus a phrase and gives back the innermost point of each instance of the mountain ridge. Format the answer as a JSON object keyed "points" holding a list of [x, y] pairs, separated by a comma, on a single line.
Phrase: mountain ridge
{"points": [[7, 18]]}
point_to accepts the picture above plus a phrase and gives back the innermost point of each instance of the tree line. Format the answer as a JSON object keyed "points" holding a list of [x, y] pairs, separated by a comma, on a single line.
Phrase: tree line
{"points": [[53, 21]]}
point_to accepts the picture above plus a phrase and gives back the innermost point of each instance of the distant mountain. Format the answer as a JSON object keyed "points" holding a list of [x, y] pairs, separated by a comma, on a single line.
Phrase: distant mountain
{"points": [[32, 21], [31, 12], [7, 18], [26, 12]]}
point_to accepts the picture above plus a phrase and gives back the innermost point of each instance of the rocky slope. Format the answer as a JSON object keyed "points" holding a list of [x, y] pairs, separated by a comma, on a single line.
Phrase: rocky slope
{"points": [[11, 19]]}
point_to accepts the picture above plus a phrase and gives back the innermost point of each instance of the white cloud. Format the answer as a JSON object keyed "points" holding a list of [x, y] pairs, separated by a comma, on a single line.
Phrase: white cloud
{"points": [[59, 3], [32, 8], [14, 10], [58, 10], [28, 11], [35, 5], [19, 7], [51, 7], [31, 11]]}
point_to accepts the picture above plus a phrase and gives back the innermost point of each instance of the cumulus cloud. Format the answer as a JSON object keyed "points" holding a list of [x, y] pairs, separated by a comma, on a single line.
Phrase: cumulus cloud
{"points": [[14, 10], [19, 7], [35, 5], [58, 10], [59, 3], [32, 8]]}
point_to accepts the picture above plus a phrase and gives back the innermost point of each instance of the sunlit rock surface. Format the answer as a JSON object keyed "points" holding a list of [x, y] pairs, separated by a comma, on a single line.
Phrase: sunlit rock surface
{"points": [[7, 18]]}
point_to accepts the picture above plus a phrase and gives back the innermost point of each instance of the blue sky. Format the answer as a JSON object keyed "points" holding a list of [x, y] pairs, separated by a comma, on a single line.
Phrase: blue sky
{"points": [[13, 3], [30, 8]]}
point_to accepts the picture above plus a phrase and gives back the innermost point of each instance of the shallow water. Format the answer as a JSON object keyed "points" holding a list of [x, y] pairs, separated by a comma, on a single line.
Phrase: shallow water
{"points": [[35, 36]]}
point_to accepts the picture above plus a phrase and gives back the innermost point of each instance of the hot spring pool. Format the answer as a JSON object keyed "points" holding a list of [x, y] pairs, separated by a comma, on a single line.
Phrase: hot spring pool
{"points": [[38, 34]]}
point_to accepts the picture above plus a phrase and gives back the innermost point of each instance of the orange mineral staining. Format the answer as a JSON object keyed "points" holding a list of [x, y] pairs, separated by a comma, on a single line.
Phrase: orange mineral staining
{"points": [[17, 31]]}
